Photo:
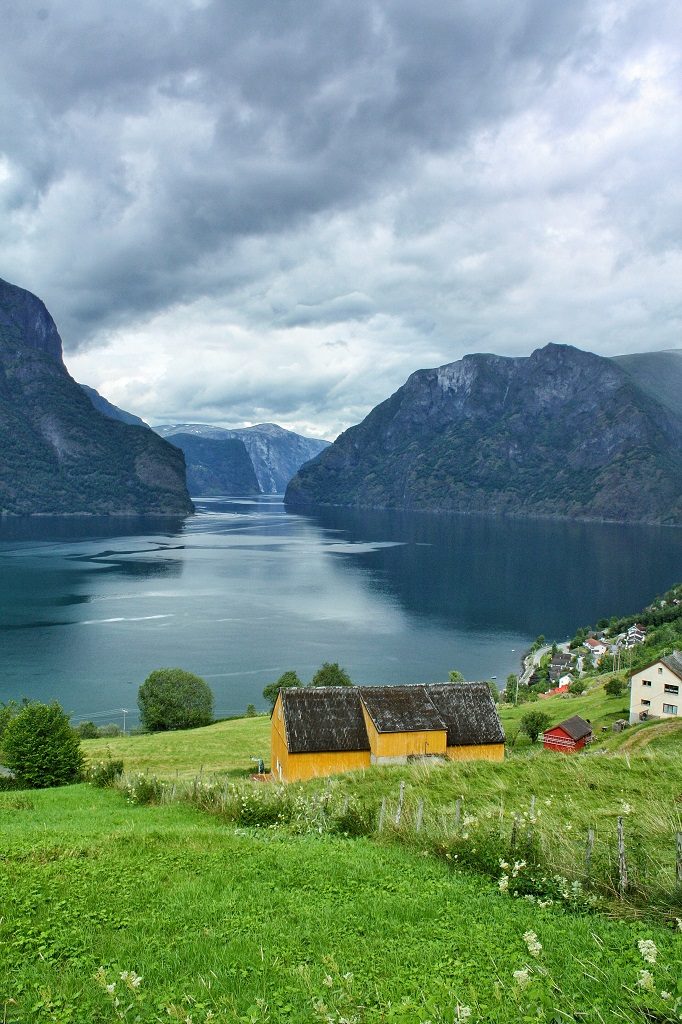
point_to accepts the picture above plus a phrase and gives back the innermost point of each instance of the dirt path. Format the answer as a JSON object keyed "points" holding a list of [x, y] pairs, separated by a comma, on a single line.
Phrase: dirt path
{"points": [[643, 738]]}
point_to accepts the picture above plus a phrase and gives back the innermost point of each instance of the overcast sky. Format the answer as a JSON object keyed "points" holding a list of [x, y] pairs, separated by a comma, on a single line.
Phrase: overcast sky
{"points": [[249, 210]]}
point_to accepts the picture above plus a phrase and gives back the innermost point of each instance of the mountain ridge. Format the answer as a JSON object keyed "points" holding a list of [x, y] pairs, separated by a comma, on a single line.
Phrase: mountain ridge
{"points": [[559, 433]]}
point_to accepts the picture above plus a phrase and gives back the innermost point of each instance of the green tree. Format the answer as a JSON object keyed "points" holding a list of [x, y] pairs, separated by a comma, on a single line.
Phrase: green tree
{"points": [[577, 687], [455, 677], [289, 678], [250, 711], [614, 687], [494, 692], [533, 723], [331, 674], [511, 688], [7, 713], [171, 698], [40, 746], [87, 730]]}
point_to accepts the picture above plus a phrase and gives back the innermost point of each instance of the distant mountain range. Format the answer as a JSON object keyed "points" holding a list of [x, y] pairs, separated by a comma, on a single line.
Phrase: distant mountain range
{"points": [[58, 455], [560, 433], [112, 411], [275, 454], [659, 374]]}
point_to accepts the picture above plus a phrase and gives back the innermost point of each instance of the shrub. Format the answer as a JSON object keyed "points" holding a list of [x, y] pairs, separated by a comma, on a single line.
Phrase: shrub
{"points": [[142, 789], [250, 711], [614, 687], [109, 730], [577, 687], [104, 773], [87, 730], [289, 678], [171, 698], [41, 748], [331, 674], [533, 723]]}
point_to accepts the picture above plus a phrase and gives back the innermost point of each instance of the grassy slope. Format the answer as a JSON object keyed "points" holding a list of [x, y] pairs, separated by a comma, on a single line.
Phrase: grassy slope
{"points": [[217, 918]]}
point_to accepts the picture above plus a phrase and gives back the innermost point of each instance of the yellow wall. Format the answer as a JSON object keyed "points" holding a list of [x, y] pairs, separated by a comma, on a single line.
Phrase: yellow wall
{"points": [[404, 744], [477, 752]]}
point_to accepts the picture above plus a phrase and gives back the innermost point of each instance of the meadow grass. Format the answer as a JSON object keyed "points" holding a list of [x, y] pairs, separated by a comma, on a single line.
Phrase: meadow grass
{"points": [[241, 925]]}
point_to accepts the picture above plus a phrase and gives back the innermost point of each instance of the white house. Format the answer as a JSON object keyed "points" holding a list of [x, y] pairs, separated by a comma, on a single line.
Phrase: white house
{"points": [[597, 649], [655, 689]]}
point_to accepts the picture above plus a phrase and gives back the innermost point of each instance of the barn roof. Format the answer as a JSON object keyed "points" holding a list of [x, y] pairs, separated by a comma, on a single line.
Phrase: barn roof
{"points": [[469, 713], [401, 709], [323, 719], [576, 727]]}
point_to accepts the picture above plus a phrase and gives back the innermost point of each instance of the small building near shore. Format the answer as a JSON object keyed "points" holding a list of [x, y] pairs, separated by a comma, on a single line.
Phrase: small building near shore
{"points": [[568, 736], [318, 731]]}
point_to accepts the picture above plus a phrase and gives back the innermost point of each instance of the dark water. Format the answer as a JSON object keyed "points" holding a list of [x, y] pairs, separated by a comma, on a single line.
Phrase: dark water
{"points": [[244, 590]]}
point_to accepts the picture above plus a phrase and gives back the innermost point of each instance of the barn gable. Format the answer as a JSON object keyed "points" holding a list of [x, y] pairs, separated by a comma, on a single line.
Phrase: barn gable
{"points": [[323, 719], [401, 709], [469, 713]]}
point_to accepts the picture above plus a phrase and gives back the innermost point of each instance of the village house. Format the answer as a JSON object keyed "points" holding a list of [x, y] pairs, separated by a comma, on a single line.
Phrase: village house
{"points": [[325, 730], [568, 736], [596, 648], [655, 689]]}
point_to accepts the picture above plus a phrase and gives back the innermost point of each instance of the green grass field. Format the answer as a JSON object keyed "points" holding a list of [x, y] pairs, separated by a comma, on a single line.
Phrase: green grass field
{"points": [[244, 925]]}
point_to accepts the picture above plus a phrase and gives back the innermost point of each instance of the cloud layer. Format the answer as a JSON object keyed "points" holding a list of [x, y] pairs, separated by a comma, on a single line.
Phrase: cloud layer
{"points": [[244, 211]]}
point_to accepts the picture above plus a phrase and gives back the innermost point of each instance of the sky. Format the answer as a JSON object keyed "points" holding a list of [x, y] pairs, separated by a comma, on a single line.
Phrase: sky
{"points": [[276, 210]]}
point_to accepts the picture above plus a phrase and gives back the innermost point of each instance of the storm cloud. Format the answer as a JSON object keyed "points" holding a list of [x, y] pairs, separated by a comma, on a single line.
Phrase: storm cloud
{"points": [[239, 211]]}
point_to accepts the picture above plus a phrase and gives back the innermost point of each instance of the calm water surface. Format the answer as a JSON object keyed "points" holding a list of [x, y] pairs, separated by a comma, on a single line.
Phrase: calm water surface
{"points": [[244, 590]]}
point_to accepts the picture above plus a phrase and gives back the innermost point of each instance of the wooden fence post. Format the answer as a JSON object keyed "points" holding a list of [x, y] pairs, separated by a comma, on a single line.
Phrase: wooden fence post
{"points": [[622, 863], [588, 851], [401, 797], [420, 816], [382, 814], [678, 859]]}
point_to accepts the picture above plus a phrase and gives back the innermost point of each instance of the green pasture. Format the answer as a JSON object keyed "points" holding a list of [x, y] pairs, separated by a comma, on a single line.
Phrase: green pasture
{"points": [[243, 925]]}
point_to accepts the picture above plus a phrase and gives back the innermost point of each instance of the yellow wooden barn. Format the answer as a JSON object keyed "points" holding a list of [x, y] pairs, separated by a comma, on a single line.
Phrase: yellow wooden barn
{"points": [[324, 730]]}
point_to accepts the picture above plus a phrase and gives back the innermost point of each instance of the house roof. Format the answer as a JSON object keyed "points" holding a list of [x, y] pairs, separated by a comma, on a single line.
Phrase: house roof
{"points": [[401, 709], [469, 712], [323, 719], [329, 718], [674, 662], [591, 642], [576, 727]]}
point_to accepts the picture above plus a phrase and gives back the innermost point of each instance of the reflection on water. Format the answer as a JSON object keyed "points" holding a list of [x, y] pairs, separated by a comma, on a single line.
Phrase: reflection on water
{"points": [[244, 590]]}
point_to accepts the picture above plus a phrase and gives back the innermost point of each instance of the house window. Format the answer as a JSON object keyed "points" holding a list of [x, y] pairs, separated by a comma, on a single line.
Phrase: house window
{"points": [[646, 702], [669, 688], [660, 671], [646, 682], [670, 709]]}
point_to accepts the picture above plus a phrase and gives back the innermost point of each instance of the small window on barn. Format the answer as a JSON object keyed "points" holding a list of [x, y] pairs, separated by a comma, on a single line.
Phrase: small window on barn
{"points": [[646, 682], [670, 709], [660, 671], [647, 702], [669, 688]]}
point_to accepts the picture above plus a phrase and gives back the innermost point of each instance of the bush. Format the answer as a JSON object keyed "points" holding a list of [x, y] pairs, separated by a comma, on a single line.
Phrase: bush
{"points": [[87, 731], [614, 687], [142, 789], [41, 748], [331, 674], [109, 730], [104, 773], [289, 678], [577, 687], [171, 698], [533, 723]]}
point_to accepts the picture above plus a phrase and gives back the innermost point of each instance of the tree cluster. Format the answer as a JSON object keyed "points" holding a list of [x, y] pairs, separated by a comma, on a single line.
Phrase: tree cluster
{"points": [[329, 673]]}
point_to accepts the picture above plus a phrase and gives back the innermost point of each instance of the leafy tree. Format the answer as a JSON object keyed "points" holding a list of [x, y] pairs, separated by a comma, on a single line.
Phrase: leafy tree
{"points": [[614, 687], [250, 711], [533, 723], [40, 746], [577, 687], [7, 713], [331, 674], [455, 677], [511, 687], [171, 698], [87, 730], [495, 693], [289, 678]]}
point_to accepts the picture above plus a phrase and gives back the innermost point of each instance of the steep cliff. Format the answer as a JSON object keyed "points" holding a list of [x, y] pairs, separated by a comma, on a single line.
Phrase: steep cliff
{"points": [[559, 433], [58, 455], [110, 410], [277, 454], [216, 465]]}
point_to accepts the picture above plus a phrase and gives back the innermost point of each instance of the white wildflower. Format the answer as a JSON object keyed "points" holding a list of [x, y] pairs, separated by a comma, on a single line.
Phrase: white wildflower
{"points": [[625, 807], [521, 977], [111, 988], [518, 866], [503, 883], [646, 980], [328, 980], [679, 923], [648, 950], [666, 995], [462, 1013], [531, 940], [504, 865]]}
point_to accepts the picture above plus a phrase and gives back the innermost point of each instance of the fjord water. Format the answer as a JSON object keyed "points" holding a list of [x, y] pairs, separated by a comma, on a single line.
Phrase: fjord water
{"points": [[244, 590]]}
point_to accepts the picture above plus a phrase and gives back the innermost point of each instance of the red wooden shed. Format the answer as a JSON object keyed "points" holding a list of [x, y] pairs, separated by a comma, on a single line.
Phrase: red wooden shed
{"points": [[568, 736]]}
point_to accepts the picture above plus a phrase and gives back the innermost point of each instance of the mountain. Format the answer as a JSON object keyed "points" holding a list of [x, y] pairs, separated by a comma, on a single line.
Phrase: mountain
{"points": [[58, 455], [659, 374], [277, 454], [112, 411], [559, 433], [216, 465]]}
